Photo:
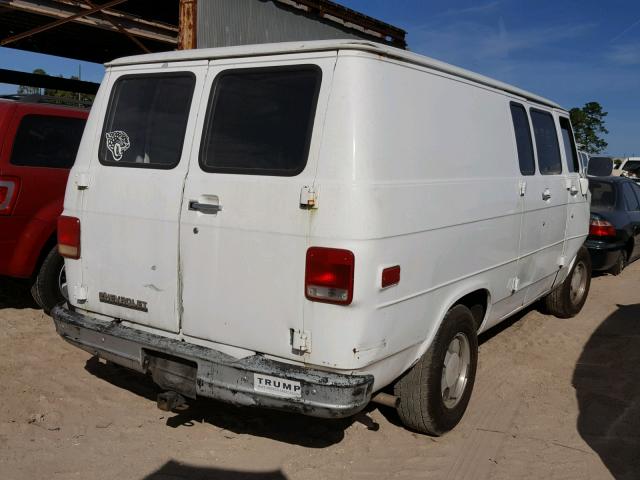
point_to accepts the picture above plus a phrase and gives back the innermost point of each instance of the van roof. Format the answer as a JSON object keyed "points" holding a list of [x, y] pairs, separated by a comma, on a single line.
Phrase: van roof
{"points": [[327, 45]]}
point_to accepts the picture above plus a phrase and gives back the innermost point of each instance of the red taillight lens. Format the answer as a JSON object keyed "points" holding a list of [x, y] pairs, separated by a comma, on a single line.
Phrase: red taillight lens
{"points": [[329, 275], [9, 187], [390, 276], [601, 228], [69, 237]]}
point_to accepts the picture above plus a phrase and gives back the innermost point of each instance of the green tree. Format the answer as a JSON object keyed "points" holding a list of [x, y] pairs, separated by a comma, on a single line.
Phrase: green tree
{"points": [[588, 126]]}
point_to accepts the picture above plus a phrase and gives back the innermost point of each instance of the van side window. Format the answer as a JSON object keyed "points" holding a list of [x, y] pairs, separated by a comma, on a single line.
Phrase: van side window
{"points": [[547, 146], [523, 139], [569, 145], [47, 141], [146, 120], [259, 121]]}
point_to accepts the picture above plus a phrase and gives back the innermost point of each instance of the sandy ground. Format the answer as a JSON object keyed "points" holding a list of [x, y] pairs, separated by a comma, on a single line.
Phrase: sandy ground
{"points": [[553, 399]]}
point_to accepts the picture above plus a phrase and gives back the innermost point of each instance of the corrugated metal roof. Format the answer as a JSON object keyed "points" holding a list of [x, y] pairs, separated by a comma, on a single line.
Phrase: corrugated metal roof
{"points": [[327, 45]]}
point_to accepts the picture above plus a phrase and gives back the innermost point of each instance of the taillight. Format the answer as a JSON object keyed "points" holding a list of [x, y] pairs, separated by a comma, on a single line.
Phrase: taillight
{"points": [[69, 237], [329, 275], [601, 228], [9, 187]]}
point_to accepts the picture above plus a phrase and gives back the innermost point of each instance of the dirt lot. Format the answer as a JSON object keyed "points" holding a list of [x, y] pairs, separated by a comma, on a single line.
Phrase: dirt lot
{"points": [[553, 399]]}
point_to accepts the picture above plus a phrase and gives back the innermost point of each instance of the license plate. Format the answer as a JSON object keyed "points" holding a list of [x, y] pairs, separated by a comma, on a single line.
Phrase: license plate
{"points": [[276, 386]]}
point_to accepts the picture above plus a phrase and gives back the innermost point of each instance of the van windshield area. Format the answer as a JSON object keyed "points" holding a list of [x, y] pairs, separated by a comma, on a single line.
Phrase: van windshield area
{"points": [[146, 120], [602, 195]]}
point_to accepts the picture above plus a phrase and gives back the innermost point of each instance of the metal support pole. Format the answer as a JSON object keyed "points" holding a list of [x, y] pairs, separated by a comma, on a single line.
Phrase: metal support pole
{"points": [[187, 27]]}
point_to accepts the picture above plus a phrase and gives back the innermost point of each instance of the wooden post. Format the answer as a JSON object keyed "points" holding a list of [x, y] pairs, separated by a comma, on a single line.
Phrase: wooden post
{"points": [[187, 27]]}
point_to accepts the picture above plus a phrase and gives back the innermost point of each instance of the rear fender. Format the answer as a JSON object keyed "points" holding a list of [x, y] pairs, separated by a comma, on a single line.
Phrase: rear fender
{"points": [[451, 296], [35, 236], [564, 271]]}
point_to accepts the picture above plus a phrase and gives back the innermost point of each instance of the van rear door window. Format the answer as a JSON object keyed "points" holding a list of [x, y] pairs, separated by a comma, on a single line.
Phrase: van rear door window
{"points": [[146, 120], [523, 139], [547, 146], [47, 141], [569, 145], [259, 121]]}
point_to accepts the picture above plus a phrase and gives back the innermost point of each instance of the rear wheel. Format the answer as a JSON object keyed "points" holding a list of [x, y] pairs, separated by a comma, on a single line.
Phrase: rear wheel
{"points": [[621, 262], [50, 286], [435, 392], [569, 297]]}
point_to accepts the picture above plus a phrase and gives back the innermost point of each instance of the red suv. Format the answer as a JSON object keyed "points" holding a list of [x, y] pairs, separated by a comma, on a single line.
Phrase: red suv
{"points": [[38, 145]]}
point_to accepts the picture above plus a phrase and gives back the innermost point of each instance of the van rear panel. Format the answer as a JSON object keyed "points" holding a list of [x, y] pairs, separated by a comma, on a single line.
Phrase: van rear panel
{"points": [[203, 235]]}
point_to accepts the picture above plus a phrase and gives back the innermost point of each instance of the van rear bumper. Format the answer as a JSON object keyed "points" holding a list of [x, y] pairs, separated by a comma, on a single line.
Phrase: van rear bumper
{"points": [[194, 370]]}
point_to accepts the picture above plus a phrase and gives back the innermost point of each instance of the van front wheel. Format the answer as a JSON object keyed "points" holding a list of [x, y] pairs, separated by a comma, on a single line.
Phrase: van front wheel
{"points": [[435, 392], [569, 297]]}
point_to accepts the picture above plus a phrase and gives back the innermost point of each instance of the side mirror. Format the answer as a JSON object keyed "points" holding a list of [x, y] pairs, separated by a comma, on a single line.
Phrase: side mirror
{"points": [[600, 166]]}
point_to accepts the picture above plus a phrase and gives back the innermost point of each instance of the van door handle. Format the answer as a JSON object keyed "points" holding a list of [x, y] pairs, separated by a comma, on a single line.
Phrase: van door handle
{"points": [[573, 190], [207, 208], [546, 195]]}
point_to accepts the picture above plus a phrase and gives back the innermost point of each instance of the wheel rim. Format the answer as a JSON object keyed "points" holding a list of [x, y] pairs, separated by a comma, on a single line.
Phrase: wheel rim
{"points": [[455, 370], [578, 283], [62, 283]]}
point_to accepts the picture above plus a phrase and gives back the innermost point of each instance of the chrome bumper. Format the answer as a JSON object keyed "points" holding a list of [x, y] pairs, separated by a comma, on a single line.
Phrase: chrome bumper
{"points": [[194, 370]]}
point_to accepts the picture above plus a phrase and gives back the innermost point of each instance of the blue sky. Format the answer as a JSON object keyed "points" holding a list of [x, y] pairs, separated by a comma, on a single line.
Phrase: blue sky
{"points": [[570, 51]]}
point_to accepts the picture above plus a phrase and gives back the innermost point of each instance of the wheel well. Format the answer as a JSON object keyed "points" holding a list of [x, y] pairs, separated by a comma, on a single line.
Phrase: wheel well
{"points": [[476, 302], [46, 248], [629, 249]]}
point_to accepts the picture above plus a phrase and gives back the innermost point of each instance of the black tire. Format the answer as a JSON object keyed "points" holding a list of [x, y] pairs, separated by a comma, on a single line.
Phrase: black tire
{"points": [[422, 406], [46, 288], [564, 303], [621, 262]]}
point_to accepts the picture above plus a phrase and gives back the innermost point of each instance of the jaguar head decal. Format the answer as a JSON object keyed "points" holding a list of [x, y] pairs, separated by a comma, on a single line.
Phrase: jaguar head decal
{"points": [[117, 143]]}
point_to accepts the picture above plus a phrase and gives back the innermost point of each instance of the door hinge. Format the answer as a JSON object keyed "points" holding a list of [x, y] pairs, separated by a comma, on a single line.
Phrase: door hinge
{"points": [[82, 181], [300, 341], [308, 198], [523, 187], [80, 293], [513, 285]]}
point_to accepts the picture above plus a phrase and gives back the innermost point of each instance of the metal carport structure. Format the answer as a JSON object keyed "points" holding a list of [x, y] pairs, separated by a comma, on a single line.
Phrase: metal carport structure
{"points": [[99, 32]]}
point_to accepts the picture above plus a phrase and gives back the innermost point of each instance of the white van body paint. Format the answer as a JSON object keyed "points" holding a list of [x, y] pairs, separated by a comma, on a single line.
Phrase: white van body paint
{"points": [[413, 162]]}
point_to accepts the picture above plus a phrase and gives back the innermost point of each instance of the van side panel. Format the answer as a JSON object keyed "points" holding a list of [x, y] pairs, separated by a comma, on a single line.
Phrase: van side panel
{"points": [[417, 170]]}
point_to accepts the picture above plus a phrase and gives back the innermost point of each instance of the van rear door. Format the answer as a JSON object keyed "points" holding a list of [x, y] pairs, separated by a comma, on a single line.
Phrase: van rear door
{"points": [[545, 210], [243, 235], [577, 212], [130, 214]]}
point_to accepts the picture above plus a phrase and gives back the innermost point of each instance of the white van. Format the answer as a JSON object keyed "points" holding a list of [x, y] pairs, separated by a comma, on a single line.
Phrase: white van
{"points": [[300, 225]]}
